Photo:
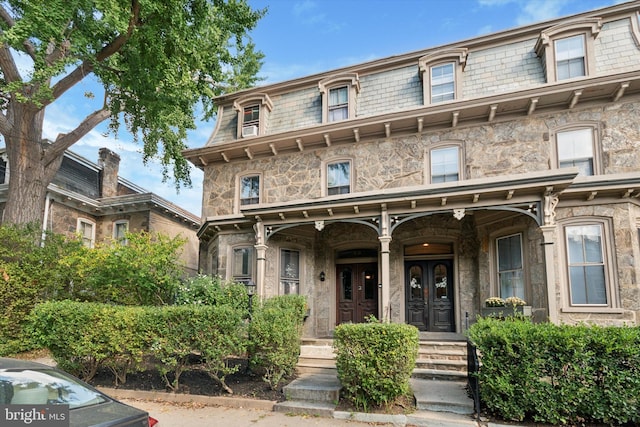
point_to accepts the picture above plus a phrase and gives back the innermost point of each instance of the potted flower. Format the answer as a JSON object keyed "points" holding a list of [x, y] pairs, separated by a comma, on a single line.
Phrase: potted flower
{"points": [[498, 307]]}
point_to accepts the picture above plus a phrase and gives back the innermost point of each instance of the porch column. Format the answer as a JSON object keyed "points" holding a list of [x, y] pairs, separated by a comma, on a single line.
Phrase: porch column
{"points": [[385, 240], [549, 245], [261, 257]]}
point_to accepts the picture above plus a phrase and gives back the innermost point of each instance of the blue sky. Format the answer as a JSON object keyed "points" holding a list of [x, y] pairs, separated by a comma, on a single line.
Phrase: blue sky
{"points": [[302, 37]]}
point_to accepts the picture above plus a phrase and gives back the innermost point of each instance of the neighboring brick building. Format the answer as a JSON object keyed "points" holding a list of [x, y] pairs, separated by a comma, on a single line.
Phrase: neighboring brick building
{"points": [[414, 187], [92, 200]]}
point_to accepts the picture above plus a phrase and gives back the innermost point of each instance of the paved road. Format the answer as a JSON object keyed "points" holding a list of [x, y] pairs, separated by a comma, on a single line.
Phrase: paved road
{"points": [[199, 415]]}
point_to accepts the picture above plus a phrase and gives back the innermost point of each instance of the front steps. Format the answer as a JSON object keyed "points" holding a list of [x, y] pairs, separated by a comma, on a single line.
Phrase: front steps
{"points": [[311, 394]]}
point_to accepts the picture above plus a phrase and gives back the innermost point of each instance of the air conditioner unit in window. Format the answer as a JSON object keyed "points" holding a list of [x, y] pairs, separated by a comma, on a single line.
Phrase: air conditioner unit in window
{"points": [[249, 131]]}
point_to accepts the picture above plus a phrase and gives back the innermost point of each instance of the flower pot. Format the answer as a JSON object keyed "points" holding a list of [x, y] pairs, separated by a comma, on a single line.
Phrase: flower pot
{"points": [[505, 311]]}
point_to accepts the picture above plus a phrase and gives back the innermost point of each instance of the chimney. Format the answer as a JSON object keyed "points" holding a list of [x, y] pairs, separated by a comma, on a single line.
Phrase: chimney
{"points": [[110, 163]]}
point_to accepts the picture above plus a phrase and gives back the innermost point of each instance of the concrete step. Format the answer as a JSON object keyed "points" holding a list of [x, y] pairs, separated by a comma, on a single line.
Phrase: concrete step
{"points": [[298, 407], [315, 388], [444, 364], [438, 374], [442, 396]]}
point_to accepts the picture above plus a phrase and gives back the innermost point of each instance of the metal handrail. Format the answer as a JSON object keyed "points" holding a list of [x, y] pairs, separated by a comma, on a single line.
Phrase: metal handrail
{"points": [[473, 369]]}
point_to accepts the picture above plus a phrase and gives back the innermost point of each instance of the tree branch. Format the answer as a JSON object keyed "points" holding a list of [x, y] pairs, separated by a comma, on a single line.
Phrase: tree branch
{"points": [[66, 140]]}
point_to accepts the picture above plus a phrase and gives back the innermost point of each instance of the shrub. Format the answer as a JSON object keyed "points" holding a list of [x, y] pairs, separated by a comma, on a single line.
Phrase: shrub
{"points": [[559, 374], [207, 290], [275, 333], [375, 361]]}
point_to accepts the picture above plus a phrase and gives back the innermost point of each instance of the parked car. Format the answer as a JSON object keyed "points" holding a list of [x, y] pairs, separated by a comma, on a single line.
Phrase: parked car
{"points": [[29, 383]]}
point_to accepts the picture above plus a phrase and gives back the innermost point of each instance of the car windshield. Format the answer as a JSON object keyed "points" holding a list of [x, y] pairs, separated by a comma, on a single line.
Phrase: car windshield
{"points": [[41, 387]]}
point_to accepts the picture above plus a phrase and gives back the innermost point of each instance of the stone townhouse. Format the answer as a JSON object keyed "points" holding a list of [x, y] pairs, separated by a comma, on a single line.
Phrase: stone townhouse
{"points": [[414, 187], [92, 200]]}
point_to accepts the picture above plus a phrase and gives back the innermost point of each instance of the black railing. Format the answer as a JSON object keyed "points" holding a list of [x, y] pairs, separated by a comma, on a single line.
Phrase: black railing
{"points": [[473, 368]]}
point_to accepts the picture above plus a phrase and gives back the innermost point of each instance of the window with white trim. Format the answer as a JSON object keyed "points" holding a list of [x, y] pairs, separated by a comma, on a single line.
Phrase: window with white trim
{"points": [[242, 264], [339, 94], [570, 57], [86, 230], [253, 111], [249, 190], [586, 263], [443, 82], [577, 146], [510, 266], [289, 272], [445, 164], [120, 230], [442, 75], [339, 177]]}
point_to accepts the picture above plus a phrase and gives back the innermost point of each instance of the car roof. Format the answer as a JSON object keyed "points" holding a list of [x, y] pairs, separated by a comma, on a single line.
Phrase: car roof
{"points": [[10, 363]]}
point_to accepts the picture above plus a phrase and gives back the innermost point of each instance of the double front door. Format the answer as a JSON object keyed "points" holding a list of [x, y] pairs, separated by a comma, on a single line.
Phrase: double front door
{"points": [[357, 292], [429, 295]]}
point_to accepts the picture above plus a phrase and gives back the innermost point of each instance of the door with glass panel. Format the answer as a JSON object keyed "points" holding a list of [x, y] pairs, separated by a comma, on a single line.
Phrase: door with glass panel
{"points": [[429, 295], [357, 291]]}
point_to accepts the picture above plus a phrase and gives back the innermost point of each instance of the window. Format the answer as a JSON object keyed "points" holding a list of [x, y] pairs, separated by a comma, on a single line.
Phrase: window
{"points": [[586, 265], [339, 178], [338, 104], [289, 272], [570, 57], [445, 164], [339, 97], [442, 83], [120, 229], [442, 74], [576, 147], [510, 266], [253, 111], [249, 190], [567, 50], [242, 267], [87, 232]]}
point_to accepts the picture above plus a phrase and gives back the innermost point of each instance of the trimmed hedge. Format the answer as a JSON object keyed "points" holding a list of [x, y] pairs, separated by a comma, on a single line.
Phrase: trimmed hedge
{"points": [[559, 374], [375, 361]]}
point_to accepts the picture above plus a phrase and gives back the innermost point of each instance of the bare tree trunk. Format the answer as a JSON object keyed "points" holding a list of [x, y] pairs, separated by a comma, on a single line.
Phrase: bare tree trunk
{"points": [[29, 177]]}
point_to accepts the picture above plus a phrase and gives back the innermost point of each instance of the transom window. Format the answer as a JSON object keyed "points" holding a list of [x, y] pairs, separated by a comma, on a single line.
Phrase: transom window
{"points": [[570, 57], [510, 266], [339, 104], [249, 190], [87, 232], [339, 178], [586, 262], [442, 82], [242, 267], [289, 272], [576, 148], [445, 165]]}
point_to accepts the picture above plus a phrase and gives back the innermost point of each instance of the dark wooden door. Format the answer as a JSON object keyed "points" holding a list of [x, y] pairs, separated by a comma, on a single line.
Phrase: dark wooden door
{"points": [[429, 296], [357, 289]]}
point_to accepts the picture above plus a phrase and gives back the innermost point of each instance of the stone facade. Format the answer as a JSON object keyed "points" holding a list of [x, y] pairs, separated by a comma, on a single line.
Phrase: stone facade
{"points": [[439, 248]]}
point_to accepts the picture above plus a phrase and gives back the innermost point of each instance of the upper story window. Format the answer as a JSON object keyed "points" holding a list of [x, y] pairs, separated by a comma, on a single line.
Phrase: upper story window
{"points": [[242, 264], [570, 57], [289, 272], [87, 231], [249, 190], [339, 177], [252, 111], [635, 27], [577, 147], [120, 230], [4, 172], [510, 266], [442, 75], [339, 97], [567, 49], [444, 164]]}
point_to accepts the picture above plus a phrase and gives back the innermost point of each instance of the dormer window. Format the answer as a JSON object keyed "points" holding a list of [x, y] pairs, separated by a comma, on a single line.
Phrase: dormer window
{"points": [[442, 75], [253, 111], [339, 97], [567, 50]]}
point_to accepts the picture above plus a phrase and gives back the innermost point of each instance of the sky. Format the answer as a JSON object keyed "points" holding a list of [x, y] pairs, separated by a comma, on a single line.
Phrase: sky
{"points": [[303, 37]]}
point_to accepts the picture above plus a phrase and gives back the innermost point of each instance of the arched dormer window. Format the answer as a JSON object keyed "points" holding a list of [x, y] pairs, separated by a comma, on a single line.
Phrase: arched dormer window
{"points": [[253, 110], [567, 49], [442, 75], [339, 97]]}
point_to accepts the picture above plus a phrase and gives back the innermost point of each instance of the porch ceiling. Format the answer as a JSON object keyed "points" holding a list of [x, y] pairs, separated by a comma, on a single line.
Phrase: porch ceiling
{"points": [[549, 97]]}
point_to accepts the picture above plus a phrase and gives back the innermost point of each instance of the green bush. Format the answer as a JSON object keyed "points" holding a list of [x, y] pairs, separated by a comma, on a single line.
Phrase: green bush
{"points": [[207, 290], [275, 333], [559, 374], [375, 361]]}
